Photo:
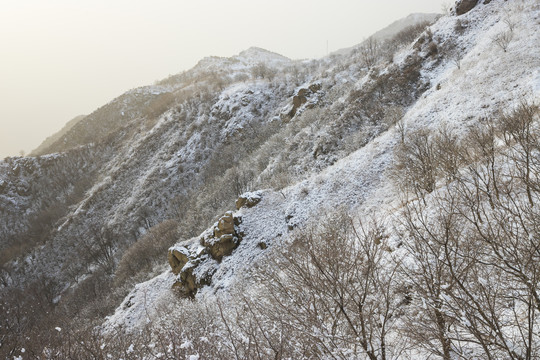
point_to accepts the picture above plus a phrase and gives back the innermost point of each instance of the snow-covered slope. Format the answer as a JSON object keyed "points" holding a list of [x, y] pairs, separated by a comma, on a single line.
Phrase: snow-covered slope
{"points": [[394, 28], [307, 138], [458, 97], [401, 24]]}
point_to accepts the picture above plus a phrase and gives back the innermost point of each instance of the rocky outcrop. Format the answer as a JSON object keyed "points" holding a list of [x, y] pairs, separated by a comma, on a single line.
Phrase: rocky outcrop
{"points": [[194, 268], [191, 278], [195, 263], [249, 200], [308, 97], [178, 257], [224, 238], [464, 6]]}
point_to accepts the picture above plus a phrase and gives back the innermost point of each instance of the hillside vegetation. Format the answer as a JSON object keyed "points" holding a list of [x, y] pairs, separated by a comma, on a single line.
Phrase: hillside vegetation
{"points": [[378, 203]]}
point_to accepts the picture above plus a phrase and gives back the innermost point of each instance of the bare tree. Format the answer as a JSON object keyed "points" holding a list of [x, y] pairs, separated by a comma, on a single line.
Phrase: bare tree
{"points": [[370, 52], [342, 302], [503, 39], [475, 251]]}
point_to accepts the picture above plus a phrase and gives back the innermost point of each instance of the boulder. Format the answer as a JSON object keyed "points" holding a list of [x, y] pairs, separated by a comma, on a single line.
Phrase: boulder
{"points": [[464, 6], [195, 264], [222, 246], [302, 97], [225, 225], [178, 257], [194, 275], [298, 100], [315, 87], [187, 282], [223, 238], [248, 200]]}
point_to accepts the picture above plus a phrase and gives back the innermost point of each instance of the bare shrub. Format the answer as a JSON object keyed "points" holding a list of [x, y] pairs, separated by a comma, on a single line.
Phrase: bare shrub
{"points": [[334, 293], [147, 251], [503, 39], [423, 158], [519, 129], [370, 52], [457, 61], [475, 272], [415, 163], [262, 71], [510, 23], [159, 105], [409, 34]]}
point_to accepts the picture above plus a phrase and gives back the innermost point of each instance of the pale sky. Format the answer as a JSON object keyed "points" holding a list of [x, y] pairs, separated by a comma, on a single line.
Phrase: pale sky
{"points": [[63, 58]]}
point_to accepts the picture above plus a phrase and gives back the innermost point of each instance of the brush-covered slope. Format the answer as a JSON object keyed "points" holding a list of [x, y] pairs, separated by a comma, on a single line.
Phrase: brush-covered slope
{"points": [[457, 97], [167, 162]]}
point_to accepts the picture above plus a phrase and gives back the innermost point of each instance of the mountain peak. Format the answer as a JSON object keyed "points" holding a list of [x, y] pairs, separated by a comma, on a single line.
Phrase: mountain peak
{"points": [[257, 54]]}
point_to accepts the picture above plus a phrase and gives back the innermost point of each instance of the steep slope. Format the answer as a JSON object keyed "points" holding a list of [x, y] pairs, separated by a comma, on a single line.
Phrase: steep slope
{"points": [[401, 24], [457, 98], [390, 31], [53, 138], [313, 136]]}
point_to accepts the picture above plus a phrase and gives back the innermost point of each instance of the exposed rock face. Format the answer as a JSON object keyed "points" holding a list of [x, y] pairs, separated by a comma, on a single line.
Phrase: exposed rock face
{"points": [[225, 238], [178, 257], [464, 6], [186, 262], [189, 282], [225, 225], [196, 263], [249, 200], [222, 246], [305, 95]]}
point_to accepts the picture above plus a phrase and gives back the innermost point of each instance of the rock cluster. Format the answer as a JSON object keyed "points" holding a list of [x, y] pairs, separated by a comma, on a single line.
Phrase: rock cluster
{"points": [[196, 263], [249, 200], [224, 238], [303, 95]]}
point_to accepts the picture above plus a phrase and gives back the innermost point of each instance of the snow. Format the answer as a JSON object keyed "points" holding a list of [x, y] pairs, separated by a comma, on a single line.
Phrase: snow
{"points": [[358, 181], [255, 55], [142, 305], [244, 61], [535, 85]]}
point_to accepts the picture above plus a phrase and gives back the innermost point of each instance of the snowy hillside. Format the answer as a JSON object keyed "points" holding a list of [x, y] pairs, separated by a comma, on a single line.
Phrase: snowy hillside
{"points": [[394, 28], [457, 98], [305, 207]]}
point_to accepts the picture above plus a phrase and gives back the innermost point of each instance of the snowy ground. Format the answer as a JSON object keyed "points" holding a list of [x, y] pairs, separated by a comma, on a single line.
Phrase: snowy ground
{"points": [[489, 80]]}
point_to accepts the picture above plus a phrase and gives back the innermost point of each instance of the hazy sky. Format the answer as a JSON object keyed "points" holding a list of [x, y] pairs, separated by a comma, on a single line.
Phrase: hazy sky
{"points": [[63, 58]]}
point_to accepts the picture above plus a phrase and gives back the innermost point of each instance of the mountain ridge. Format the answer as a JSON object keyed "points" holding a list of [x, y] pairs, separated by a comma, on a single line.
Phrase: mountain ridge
{"points": [[236, 173], [250, 57]]}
